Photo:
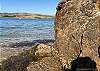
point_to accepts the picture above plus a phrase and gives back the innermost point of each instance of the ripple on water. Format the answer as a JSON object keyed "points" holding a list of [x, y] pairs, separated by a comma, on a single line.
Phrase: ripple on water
{"points": [[17, 30]]}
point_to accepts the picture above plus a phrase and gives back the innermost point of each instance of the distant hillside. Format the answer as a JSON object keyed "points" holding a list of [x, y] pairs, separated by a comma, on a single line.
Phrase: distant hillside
{"points": [[25, 15]]}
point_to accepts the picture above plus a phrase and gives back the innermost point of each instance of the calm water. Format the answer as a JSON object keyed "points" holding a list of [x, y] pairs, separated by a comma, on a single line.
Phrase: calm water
{"points": [[17, 30]]}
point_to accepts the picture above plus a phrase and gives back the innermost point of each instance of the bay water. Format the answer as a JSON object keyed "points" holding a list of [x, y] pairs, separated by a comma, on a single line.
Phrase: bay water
{"points": [[14, 30]]}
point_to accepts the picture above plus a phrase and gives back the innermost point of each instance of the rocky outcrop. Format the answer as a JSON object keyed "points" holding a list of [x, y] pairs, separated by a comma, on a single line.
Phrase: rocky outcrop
{"points": [[77, 33], [77, 45], [45, 64], [47, 60], [40, 57], [77, 28]]}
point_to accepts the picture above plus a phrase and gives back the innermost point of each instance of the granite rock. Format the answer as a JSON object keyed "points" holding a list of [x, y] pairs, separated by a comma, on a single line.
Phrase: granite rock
{"points": [[77, 28], [77, 37]]}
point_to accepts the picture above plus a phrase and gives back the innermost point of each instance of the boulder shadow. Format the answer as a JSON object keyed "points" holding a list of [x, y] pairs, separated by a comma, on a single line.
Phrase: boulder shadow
{"points": [[83, 64]]}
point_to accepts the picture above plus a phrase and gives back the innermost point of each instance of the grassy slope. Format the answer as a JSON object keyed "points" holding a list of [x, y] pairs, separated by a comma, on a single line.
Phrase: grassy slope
{"points": [[24, 15]]}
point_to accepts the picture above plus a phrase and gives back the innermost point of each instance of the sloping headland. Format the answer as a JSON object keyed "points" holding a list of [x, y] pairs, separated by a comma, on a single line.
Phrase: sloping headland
{"points": [[25, 15]]}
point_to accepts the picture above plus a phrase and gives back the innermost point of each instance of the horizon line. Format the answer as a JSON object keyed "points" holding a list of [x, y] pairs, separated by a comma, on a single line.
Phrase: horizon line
{"points": [[30, 13]]}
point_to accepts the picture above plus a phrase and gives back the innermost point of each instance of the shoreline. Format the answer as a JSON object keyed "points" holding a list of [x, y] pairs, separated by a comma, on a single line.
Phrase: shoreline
{"points": [[15, 48], [29, 44], [25, 15], [25, 18]]}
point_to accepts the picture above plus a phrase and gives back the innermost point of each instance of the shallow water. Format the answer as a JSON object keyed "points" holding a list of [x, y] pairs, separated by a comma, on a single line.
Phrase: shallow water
{"points": [[14, 30]]}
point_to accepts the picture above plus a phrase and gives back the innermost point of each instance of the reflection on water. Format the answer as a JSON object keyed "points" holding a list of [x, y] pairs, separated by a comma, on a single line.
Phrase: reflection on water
{"points": [[17, 30]]}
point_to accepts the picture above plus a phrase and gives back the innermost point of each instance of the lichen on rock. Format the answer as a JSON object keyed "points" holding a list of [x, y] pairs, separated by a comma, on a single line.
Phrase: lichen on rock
{"points": [[77, 28], [77, 34]]}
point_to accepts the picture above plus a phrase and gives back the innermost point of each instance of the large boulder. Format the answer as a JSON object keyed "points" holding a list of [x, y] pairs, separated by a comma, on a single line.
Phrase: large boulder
{"points": [[77, 30], [40, 57], [47, 59], [45, 64], [77, 34]]}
